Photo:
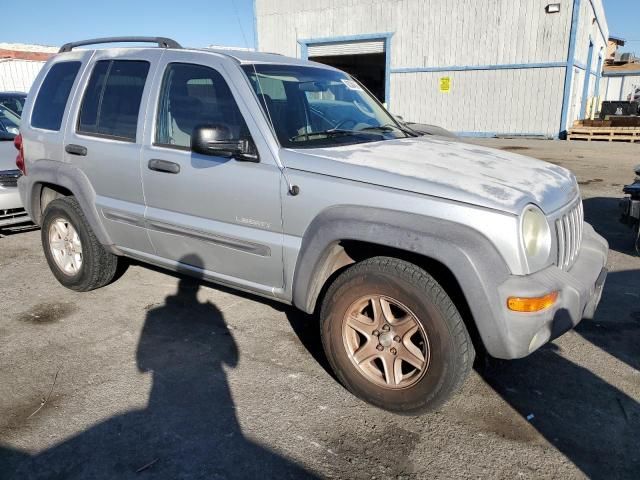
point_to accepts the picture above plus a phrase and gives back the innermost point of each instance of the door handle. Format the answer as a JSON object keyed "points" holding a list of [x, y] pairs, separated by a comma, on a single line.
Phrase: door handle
{"points": [[73, 149], [163, 166]]}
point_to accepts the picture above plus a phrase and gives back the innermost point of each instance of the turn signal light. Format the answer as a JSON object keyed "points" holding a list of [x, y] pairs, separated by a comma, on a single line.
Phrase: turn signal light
{"points": [[534, 304]]}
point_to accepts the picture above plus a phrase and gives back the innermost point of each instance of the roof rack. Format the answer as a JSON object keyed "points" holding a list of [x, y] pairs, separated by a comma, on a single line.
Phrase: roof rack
{"points": [[162, 42]]}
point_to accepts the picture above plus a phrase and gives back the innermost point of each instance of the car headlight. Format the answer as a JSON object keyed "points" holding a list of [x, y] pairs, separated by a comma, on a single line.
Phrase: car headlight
{"points": [[536, 237]]}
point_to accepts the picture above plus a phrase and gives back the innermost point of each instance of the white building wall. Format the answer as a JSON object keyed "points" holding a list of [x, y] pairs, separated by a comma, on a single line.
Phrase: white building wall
{"points": [[435, 33], [592, 28], [469, 37], [18, 75], [612, 89], [478, 102], [620, 87]]}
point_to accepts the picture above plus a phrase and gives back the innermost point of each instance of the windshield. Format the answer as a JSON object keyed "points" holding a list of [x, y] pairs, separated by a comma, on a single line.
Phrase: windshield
{"points": [[317, 107], [9, 121]]}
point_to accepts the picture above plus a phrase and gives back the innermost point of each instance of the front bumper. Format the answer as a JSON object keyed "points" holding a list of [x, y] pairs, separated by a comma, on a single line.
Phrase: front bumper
{"points": [[579, 292]]}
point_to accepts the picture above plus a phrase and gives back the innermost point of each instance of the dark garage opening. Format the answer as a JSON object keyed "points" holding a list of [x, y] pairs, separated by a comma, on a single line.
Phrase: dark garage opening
{"points": [[368, 68]]}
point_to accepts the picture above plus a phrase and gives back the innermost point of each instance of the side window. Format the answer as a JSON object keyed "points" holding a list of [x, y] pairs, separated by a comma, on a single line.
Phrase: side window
{"points": [[53, 95], [111, 102], [193, 95]]}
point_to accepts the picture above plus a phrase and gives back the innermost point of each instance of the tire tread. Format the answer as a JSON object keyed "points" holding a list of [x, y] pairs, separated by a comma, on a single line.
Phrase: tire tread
{"points": [[421, 279], [100, 266]]}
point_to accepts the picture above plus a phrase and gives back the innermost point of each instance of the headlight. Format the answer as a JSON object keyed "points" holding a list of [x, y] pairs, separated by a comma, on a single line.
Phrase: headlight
{"points": [[536, 237]]}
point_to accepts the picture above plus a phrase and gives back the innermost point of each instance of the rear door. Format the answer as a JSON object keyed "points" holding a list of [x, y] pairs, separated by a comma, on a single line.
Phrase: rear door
{"points": [[217, 214], [46, 110], [104, 139]]}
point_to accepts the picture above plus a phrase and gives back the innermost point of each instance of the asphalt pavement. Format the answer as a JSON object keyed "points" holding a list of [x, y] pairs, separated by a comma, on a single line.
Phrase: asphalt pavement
{"points": [[158, 376]]}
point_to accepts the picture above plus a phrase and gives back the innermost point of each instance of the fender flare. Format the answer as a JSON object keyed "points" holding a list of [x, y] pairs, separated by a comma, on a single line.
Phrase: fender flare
{"points": [[71, 178], [467, 253]]}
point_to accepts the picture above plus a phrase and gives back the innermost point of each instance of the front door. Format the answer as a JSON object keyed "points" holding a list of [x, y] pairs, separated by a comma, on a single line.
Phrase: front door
{"points": [[216, 214]]}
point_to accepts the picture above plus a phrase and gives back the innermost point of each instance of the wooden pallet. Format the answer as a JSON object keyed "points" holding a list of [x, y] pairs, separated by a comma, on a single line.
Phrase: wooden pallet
{"points": [[606, 134]]}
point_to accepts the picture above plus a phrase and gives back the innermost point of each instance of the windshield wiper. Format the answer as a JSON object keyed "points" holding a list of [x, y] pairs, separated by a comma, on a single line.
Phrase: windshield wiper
{"points": [[332, 132], [388, 127]]}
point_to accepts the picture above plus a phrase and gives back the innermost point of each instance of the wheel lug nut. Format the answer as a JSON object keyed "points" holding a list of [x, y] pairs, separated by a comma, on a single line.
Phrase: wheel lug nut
{"points": [[386, 328], [393, 351], [376, 333], [396, 338], [380, 348]]}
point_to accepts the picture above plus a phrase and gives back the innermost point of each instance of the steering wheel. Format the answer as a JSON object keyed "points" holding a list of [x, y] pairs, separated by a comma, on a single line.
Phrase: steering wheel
{"points": [[342, 123]]}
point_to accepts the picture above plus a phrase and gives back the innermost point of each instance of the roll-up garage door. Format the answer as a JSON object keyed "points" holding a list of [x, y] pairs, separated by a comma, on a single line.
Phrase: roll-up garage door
{"points": [[346, 48]]}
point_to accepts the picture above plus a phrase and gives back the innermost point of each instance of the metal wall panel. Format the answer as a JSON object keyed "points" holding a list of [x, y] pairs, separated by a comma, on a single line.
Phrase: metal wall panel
{"points": [[18, 75], [612, 88], [433, 33], [592, 28], [472, 37], [525, 102], [619, 87]]}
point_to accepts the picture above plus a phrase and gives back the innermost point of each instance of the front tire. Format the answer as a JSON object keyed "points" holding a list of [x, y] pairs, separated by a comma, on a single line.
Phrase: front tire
{"points": [[74, 254], [393, 336]]}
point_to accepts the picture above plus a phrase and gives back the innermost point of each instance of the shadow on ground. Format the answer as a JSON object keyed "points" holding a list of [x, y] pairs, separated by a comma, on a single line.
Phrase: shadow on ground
{"points": [[616, 328], [594, 424], [16, 229], [189, 429], [603, 213]]}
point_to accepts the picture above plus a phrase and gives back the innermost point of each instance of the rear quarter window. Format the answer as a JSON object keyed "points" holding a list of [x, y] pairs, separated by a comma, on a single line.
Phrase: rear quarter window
{"points": [[53, 95]]}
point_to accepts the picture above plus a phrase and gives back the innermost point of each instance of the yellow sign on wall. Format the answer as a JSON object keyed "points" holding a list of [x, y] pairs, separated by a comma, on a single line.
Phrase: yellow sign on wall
{"points": [[445, 84]]}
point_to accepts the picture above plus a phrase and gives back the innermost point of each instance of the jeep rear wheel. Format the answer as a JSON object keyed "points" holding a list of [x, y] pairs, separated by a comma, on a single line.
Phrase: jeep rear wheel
{"points": [[75, 257], [394, 337]]}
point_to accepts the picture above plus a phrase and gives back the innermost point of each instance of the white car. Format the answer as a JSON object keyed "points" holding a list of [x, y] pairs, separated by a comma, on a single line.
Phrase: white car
{"points": [[11, 210]]}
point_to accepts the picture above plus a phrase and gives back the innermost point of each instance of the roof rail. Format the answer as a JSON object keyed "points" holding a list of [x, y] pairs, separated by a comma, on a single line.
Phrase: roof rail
{"points": [[162, 42]]}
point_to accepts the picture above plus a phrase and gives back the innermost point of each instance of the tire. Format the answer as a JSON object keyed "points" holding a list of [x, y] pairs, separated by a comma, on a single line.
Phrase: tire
{"points": [[93, 267], [400, 290]]}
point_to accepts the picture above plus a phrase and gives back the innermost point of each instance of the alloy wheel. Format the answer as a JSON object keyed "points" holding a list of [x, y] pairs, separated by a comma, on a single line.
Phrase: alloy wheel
{"points": [[386, 342]]}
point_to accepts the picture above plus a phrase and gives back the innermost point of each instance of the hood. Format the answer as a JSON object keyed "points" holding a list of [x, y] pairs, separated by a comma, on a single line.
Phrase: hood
{"points": [[8, 155], [447, 169]]}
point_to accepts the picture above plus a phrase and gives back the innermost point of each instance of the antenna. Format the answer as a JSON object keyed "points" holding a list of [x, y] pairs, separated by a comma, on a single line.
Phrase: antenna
{"points": [[293, 189]]}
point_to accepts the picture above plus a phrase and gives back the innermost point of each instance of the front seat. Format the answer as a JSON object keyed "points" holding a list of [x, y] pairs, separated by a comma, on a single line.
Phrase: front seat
{"points": [[186, 114]]}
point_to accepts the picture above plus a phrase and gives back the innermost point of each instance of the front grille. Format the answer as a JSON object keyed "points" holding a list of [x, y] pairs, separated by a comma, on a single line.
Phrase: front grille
{"points": [[9, 213], [9, 178], [569, 227]]}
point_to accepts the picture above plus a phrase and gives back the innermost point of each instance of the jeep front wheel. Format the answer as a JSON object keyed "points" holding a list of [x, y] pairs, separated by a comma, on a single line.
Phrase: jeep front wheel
{"points": [[394, 337]]}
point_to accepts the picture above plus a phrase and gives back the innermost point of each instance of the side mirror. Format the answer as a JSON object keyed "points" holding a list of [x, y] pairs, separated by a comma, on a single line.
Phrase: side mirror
{"points": [[217, 141], [637, 169]]}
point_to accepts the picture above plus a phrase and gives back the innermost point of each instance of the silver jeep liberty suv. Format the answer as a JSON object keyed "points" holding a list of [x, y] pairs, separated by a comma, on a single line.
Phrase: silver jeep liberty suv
{"points": [[287, 179]]}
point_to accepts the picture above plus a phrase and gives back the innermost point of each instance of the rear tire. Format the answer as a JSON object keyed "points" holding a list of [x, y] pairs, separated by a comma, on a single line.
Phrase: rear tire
{"points": [[74, 254], [411, 355]]}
